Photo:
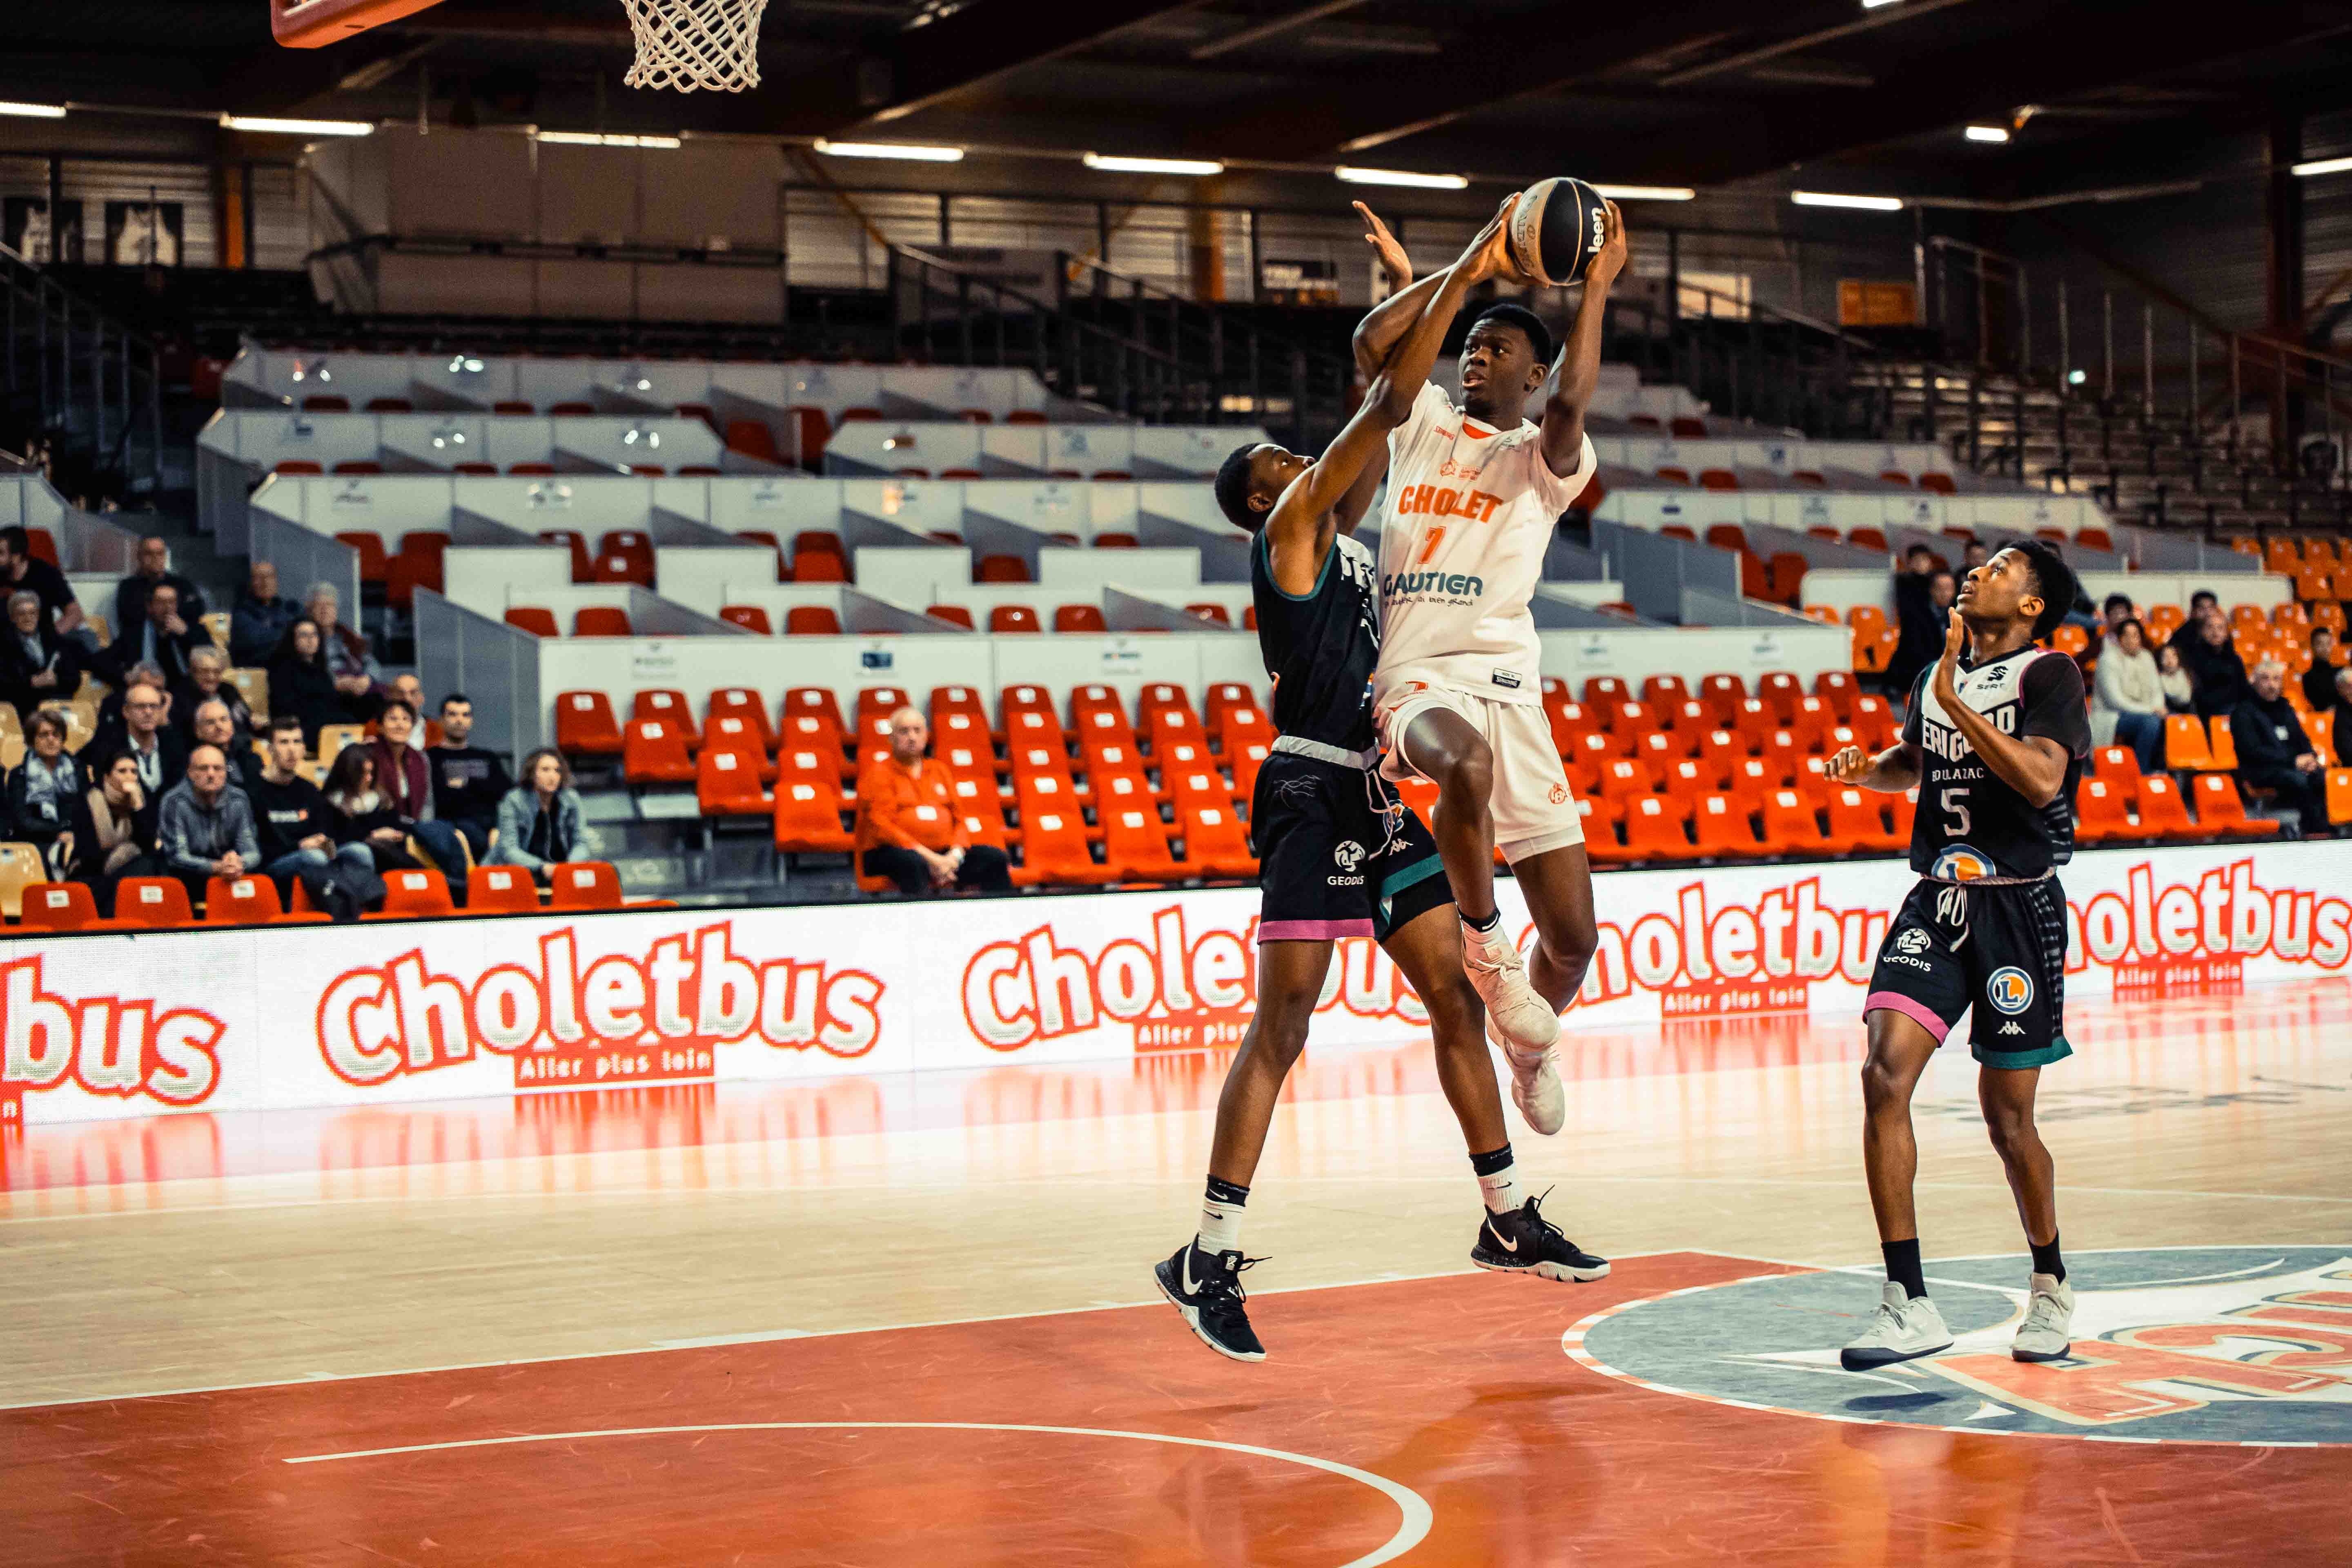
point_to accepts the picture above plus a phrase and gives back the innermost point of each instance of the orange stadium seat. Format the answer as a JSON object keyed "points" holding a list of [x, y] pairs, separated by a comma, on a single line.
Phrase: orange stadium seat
{"points": [[1654, 831], [2162, 812], [654, 751], [1855, 821], [584, 725], [1215, 843], [727, 783], [1724, 828], [152, 902], [808, 819], [411, 894], [250, 902], [2218, 810], [668, 705], [742, 703], [1790, 826], [500, 891]]}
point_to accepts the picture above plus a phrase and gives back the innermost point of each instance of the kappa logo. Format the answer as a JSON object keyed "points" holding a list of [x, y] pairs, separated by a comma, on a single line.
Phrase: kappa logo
{"points": [[2010, 990], [1348, 854], [1912, 940], [2225, 1344], [2009, 1029]]}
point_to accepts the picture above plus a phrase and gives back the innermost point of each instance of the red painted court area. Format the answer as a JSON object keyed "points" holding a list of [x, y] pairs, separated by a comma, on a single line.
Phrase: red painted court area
{"points": [[1451, 1398]]}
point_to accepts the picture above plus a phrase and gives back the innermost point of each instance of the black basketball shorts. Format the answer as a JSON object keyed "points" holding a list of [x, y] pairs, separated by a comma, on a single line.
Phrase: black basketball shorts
{"points": [[1997, 952], [1330, 863]]}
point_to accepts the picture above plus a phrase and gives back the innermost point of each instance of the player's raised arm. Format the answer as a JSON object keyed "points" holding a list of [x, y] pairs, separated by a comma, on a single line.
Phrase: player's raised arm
{"points": [[1577, 373], [1307, 505], [1386, 323], [2033, 765]]}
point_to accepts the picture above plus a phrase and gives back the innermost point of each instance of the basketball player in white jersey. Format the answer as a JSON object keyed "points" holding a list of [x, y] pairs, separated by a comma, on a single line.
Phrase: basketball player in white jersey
{"points": [[1473, 495]]}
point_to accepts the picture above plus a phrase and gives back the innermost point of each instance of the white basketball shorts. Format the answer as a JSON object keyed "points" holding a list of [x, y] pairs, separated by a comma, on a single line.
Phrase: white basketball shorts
{"points": [[1533, 804]]}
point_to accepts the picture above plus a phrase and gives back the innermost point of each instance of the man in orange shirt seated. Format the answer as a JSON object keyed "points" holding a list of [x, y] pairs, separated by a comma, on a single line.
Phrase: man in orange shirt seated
{"points": [[908, 826]]}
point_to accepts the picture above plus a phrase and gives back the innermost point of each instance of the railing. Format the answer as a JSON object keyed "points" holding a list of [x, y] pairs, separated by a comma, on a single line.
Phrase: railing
{"points": [[1121, 345], [1757, 362], [81, 384]]}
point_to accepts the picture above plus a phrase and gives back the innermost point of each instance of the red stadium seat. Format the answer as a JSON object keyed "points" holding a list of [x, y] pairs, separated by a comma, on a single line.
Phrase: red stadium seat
{"points": [[1135, 844], [652, 752], [751, 617], [157, 903], [1215, 844], [584, 885], [500, 891], [2162, 813], [742, 703], [1014, 618], [583, 568], [727, 783], [415, 895], [1001, 569], [1855, 822], [954, 614], [538, 622], [808, 819], [600, 621], [812, 621], [1654, 832], [585, 726], [2219, 812], [1723, 828], [369, 546], [2101, 802], [1790, 826], [250, 902]]}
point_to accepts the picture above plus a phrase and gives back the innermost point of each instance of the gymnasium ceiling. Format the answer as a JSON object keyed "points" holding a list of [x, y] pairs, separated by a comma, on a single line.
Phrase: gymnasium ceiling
{"points": [[1697, 92]]}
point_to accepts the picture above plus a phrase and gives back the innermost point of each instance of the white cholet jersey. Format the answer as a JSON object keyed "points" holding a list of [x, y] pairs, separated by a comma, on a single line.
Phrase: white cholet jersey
{"points": [[1470, 514]]}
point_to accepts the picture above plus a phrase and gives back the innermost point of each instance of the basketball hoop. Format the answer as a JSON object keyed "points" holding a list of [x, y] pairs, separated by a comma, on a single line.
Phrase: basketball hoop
{"points": [[688, 43]]}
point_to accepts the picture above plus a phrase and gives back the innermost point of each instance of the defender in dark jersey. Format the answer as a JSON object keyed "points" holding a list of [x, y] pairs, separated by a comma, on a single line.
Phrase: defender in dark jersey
{"points": [[1339, 855], [1996, 750]]}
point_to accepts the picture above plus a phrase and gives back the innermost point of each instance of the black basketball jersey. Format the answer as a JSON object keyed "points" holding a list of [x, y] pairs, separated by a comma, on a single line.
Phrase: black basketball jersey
{"points": [[1320, 650], [1969, 823]]}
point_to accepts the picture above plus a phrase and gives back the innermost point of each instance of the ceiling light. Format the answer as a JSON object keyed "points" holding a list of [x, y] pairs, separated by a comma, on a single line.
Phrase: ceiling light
{"points": [[1401, 177], [1831, 199], [34, 111], [1647, 193], [601, 139], [1875, 4], [298, 127], [1152, 165], [890, 149], [2325, 166], [1987, 133]]}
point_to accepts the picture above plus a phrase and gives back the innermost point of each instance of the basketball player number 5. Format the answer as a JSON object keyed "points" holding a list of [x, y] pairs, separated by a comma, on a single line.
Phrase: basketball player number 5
{"points": [[1956, 811]]}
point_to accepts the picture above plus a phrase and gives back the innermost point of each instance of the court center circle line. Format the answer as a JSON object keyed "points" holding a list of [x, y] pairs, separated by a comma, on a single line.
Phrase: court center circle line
{"points": [[1418, 1517]]}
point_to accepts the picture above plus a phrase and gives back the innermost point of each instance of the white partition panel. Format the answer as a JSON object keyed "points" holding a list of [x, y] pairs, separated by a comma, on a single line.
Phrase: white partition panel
{"points": [[704, 577], [910, 503], [488, 579], [910, 576]]}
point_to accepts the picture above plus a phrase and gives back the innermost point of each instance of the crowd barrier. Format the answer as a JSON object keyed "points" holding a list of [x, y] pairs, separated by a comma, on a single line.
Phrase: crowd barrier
{"points": [[109, 1026]]}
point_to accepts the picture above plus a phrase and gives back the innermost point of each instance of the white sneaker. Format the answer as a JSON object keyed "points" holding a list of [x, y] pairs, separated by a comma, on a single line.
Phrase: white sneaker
{"points": [[2047, 1332], [1905, 1328], [1535, 1087], [1516, 1019]]}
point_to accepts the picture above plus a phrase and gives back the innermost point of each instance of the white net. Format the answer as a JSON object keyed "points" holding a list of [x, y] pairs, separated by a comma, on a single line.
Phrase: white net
{"points": [[686, 44]]}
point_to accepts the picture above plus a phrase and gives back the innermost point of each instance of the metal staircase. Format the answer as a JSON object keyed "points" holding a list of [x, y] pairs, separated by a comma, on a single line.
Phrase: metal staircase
{"points": [[80, 387]]}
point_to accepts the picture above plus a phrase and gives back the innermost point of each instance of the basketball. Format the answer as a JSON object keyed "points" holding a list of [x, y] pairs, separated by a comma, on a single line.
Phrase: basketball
{"points": [[1556, 229]]}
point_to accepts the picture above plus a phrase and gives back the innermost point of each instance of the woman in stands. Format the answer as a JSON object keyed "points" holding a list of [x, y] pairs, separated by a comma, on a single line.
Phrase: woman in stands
{"points": [[300, 683], [407, 783], [44, 795], [360, 814], [2180, 687], [2129, 696], [114, 832], [539, 820]]}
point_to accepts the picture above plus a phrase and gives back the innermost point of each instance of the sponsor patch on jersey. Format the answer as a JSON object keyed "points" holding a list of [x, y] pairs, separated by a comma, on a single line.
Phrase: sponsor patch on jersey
{"points": [[1348, 854], [1911, 939], [1960, 863], [1506, 680], [2010, 990]]}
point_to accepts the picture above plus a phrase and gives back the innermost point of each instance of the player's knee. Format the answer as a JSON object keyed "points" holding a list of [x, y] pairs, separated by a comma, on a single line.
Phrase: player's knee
{"points": [[1455, 1012], [1467, 777], [1282, 1035], [1883, 1088], [2010, 1130]]}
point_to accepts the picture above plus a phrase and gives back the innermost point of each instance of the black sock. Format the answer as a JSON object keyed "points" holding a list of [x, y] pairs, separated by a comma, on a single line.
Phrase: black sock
{"points": [[1494, 918], [1902, 1266], [2046, 1259]]}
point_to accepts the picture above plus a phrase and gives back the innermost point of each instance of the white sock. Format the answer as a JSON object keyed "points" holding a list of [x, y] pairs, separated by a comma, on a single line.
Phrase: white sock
{"points": [[1221, 1218], [1501, 1190]]}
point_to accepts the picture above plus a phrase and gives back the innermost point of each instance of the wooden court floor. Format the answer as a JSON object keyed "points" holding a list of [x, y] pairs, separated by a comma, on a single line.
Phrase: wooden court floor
{"points": [[879, 1322]]}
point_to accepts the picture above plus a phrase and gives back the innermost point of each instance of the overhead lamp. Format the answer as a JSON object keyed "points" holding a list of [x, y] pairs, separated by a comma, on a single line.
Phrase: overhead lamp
{"points": [[604, 138], [1833, 199], [1401, 177], [911, 152], [1875, 4], [275, 127], [1987, 133], [1647, 193], [34, 111], [2325, 166], [1113, 163]]}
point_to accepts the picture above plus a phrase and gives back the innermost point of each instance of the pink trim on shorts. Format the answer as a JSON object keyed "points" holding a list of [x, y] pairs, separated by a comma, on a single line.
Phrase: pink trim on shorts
{"points": [[1919, 1012], [1311, 931]]}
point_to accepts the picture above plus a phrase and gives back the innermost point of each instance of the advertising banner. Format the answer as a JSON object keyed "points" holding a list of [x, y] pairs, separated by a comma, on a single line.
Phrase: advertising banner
{"points": [[115, 1025]]}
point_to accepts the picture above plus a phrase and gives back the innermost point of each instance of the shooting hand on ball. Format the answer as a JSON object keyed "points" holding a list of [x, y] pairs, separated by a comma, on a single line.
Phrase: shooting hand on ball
{"points": [[1611, 259], [1489, 253]]}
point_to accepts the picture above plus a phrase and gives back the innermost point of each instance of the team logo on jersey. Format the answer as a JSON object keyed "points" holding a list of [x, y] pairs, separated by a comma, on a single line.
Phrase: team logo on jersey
{"points": [[1348, 855], [1559, 794], [1912, 940], [1960, 863], [2010, 990], [2226, 1344]]}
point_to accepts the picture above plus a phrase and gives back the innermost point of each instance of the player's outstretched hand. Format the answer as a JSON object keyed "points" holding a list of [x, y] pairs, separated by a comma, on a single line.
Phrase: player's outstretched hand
{"points": [[1488, 255], [1394, 260], [1947, 668], [1847, 765]]}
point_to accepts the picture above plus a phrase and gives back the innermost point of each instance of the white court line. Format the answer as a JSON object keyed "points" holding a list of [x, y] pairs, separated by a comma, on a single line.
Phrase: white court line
{"points": [[1411, 1531]]}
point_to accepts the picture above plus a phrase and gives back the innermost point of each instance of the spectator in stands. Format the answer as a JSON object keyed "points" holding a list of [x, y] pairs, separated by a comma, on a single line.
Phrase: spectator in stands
{"points": [[257, 622], [36, 663], [405, 783], [114, 834], [300, 683], [470, 783], [2189, 631], [154, 572], [292, 821], [1923, 610], [2180, 687], [161, 637], [2273, 752], [2128, 698], [2113, 612], [921, 852], [60, 611], [205, 828], [208, 682], [1972, 555], [213, 726], [408, 688], [44, 793], [359, 815], [142, 732], [2319, 681], [540, 819], [357, 678], [2212, 662], [2342, 708]]}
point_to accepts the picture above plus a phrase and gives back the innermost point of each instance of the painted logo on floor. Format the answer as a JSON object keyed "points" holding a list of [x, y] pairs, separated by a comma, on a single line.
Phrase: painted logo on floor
{"points": [[2226, 1344]]}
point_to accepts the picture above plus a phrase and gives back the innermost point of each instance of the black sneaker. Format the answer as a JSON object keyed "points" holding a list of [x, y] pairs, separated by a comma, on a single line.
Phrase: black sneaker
{"points": [[1207, 1289], [1521, 1241]]}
